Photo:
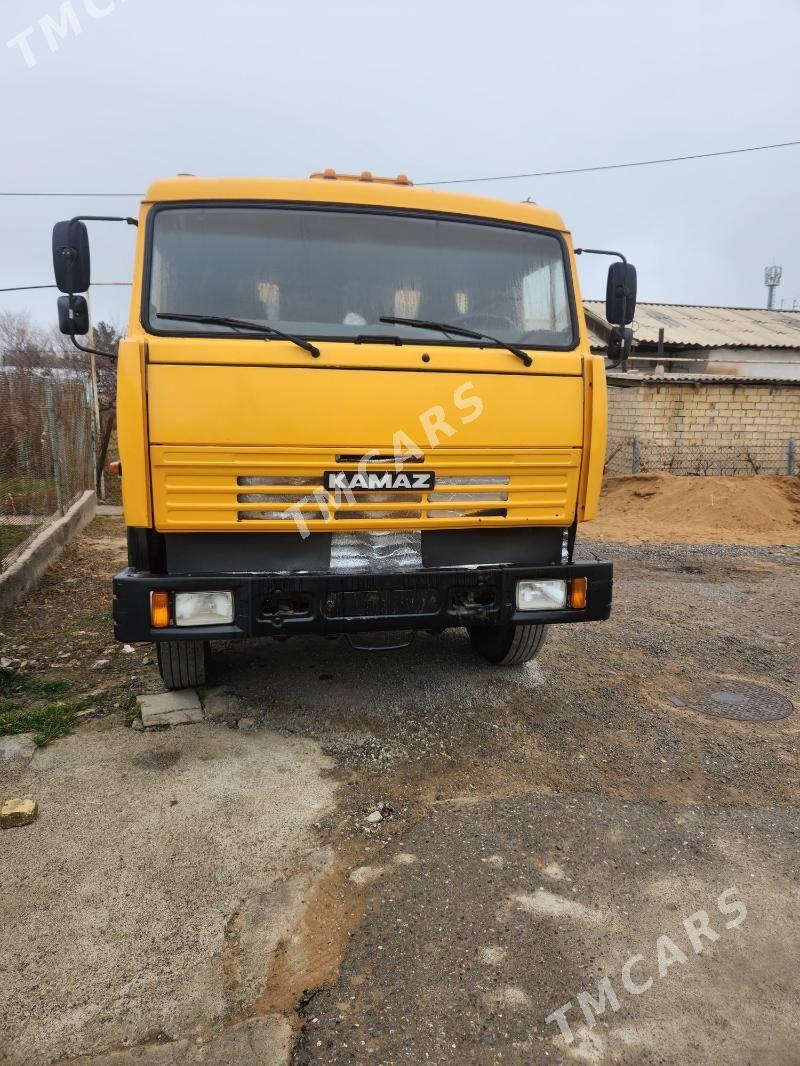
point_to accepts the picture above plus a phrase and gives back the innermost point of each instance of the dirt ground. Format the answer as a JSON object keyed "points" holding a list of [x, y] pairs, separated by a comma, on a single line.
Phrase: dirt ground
{"points": [[763, 509], [218, 894]]}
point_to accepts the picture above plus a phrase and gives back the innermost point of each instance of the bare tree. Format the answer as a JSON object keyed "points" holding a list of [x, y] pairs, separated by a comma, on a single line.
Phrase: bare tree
{"points": [[22, 343]]}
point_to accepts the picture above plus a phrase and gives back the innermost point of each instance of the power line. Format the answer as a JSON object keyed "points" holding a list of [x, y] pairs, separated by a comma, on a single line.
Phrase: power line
{"points": [[501, 177], [86, 194], [29, 288], [617, 166]]}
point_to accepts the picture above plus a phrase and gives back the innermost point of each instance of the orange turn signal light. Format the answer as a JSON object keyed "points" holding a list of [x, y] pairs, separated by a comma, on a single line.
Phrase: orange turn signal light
{"points": [[577, 592], [159, 609], [114, 467]]}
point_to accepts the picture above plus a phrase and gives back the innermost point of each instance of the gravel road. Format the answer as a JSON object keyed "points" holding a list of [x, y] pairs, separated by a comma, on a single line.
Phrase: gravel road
{"points": [[494, 914], [538, 827]]}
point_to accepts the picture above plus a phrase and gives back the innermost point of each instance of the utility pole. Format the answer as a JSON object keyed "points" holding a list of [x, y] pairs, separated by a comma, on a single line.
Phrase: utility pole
{"points": [[100, 484], [772, 279]]}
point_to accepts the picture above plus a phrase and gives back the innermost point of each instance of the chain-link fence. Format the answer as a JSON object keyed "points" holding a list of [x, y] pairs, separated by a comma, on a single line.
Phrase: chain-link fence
{"points": [[46, 452], [638, 455]]}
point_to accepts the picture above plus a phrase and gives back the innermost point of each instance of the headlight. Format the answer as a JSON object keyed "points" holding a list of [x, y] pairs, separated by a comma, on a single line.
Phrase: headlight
{"points": [[203, 608], [541, 595]]}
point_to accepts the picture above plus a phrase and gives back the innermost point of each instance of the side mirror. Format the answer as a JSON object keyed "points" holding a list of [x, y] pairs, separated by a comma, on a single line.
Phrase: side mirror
{"points": [[621, 294], [620, 342], [73, 315], [71, 256]]}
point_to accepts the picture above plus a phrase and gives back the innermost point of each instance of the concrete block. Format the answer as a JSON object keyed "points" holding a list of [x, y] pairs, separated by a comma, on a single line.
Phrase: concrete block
{"points": [[170, 708]]}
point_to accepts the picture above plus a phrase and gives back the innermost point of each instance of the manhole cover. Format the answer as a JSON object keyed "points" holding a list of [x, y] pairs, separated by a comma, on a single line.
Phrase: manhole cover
{"points": [[744, 700]]}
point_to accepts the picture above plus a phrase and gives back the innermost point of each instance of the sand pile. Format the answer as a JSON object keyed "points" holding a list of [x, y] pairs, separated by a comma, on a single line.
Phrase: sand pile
{"points": [[699, 510]]}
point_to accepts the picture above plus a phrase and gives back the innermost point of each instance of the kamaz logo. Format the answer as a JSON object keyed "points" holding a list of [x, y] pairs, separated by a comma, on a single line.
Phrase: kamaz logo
{"points": [[378, 481]]}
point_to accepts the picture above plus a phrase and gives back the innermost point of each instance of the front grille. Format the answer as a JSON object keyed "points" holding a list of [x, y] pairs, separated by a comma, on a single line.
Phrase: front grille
{"points": [[268, 489]]}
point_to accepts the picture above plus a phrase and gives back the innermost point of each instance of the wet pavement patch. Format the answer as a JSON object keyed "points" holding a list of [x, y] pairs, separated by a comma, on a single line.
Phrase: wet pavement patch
{"points": [[157, 760]]}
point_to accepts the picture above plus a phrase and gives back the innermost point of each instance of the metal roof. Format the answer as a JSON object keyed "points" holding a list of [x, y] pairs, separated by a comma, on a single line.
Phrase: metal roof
{"points": [[685, 325], [635, 378]]}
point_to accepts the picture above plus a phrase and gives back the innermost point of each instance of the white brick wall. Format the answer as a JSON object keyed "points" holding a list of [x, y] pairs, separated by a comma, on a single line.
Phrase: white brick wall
{"points": [[751, 423]]}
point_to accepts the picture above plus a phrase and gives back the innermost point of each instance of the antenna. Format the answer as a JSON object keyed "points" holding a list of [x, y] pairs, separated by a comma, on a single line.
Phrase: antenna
{"points": [[772, 279]]}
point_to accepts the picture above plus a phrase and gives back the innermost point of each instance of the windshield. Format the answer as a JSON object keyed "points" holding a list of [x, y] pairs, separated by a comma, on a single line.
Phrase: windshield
{"points": [[332, 273]]}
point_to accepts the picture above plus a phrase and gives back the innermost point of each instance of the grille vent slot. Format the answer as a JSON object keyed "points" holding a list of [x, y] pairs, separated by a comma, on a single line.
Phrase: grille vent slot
{"points": [[383, 497], [470, 497], [401, 460]]}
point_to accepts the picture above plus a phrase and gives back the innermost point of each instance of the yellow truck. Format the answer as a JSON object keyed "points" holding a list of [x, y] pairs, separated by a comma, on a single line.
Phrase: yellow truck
{"points": [[348, 405]]}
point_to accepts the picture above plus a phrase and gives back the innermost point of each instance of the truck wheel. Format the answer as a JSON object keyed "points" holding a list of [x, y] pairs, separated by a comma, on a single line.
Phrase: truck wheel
{"points": [[507, 645], [182, 663]]}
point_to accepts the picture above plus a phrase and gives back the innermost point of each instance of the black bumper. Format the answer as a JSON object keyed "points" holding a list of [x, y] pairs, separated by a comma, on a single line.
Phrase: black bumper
{"points": [[278, 605]]}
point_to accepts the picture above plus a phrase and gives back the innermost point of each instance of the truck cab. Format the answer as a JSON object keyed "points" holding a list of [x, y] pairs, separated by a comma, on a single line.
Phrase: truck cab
{"points": [[349, 405]]}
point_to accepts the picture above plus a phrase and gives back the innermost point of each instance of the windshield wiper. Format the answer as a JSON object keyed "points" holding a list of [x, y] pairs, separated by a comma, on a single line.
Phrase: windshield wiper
{"points": [[239, 324], [457, 331]]}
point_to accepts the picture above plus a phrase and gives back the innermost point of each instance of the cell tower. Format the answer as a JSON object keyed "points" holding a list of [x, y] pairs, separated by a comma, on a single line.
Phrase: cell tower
{"points": [[772, 279]]}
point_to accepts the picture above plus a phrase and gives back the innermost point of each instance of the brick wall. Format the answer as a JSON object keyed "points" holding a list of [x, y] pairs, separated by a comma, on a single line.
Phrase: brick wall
{"points": [[703, 428]]}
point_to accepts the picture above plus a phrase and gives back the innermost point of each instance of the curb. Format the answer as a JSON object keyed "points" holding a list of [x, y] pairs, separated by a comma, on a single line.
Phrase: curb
{"points": [[23, 574]]}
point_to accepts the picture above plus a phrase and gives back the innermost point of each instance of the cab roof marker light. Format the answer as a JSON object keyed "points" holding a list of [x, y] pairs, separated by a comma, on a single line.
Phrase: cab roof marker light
{"points": [[366, 175]]}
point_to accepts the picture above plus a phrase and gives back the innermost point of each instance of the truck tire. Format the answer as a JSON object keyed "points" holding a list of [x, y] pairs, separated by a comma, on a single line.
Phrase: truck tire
{"points": [[507, 645], [182, 663]]}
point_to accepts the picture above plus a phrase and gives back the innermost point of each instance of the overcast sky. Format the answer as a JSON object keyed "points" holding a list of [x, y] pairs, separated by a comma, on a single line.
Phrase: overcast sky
{"points": [[438, 89]]}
